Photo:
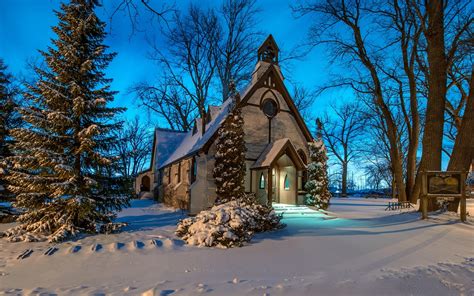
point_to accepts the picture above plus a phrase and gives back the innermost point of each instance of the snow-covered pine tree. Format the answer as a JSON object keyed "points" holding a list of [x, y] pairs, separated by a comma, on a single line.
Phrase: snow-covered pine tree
{"points": [[229, 168], [317, 185], [59, 172], [9, 119]]}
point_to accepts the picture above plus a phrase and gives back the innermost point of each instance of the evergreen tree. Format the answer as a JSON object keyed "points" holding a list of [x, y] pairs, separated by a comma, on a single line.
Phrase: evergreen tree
{"points": [[229, 170], [60, 166], [9, 119], [317, 185]]}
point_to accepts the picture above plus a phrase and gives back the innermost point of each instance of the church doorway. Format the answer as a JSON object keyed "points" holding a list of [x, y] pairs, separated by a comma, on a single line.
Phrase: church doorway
{"points": [[277, 171], [284, 180], [145, 185]]}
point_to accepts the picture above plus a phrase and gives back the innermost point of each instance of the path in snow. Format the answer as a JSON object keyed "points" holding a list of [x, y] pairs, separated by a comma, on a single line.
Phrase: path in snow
{"points": [[356, 249]]}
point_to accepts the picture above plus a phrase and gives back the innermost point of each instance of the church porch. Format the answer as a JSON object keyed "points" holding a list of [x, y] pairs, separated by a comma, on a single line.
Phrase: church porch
{"points": [[276, 174]]}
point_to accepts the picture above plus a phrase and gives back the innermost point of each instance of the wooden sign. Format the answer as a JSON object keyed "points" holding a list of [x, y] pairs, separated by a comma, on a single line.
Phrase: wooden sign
{"points": [[444, 183]]}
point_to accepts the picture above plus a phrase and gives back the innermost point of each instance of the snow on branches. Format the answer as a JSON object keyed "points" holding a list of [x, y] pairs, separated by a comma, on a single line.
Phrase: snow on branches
{"points": [[229, 167], [61, 171], [317, 185]]}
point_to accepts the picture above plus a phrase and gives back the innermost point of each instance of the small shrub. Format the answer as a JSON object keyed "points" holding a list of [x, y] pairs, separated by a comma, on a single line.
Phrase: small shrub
{"points": [[229, 224]]}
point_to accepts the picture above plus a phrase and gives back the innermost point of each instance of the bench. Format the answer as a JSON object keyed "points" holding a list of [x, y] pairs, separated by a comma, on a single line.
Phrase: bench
{"points": [[397, 205]]}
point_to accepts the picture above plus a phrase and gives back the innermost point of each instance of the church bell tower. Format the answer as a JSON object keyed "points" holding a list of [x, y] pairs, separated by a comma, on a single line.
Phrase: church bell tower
{"points": [[268, 51]]}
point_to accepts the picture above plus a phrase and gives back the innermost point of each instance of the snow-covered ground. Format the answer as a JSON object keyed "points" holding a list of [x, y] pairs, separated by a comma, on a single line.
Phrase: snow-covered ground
{"points": [[356, 249]]}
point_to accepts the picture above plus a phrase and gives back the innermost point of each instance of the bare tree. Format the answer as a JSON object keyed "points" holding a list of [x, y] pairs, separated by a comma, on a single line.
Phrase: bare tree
{"points": [[234, 42], [188, 63], [303, 98], [363, 59], [341, 135], [204, 49], [463, 151], [138, 10], [169, 102], [133, 148], [399, 18]]}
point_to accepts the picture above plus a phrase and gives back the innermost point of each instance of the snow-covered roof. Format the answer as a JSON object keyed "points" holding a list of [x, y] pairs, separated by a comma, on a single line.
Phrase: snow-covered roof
{"points": [[273, 151], [190, 142], [166, 143], [182, 144], [214, 110]]}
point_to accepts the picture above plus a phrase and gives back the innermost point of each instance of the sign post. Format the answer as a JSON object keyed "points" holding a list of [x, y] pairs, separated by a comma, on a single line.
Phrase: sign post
{"points": [[443, 184], [463, 199]]}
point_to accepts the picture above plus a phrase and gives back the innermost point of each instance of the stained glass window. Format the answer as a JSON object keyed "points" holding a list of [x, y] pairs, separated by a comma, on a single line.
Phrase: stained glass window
{"points": [[262, 181], [287, 182]]}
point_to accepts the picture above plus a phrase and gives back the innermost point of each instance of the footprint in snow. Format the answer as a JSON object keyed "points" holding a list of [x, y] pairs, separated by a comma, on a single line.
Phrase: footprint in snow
{"points": [[166, 292], [75, 249], [138, 244], [51, 251], [96, 247], [117, 246], [157, 243], [27, 253], [153, 292]]}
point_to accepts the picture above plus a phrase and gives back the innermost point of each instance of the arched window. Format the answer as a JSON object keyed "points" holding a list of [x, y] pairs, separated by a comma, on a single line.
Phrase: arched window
{"points": [[261, 183], [287, 182], [179, 173]]}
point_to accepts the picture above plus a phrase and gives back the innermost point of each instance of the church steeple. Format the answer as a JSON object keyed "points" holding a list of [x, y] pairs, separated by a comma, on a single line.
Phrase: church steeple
{"points": [[268, 51]]}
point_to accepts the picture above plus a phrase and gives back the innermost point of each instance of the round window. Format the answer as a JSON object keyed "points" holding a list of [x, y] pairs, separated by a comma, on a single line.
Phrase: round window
{"points": [[270, 108]]}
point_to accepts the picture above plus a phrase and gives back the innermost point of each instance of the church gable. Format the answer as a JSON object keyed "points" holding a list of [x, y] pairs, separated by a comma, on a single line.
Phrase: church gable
{"points": [[270, 85]]}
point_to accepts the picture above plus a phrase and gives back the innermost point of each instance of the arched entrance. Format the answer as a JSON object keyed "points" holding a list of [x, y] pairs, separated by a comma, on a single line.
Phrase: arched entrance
{"points": [[277, 170], [145, 185], [284, 181]]}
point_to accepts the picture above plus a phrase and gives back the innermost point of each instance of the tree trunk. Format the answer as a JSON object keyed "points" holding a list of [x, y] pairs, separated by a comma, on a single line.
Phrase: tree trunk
{"points": [[398, 176], [344, 179], [434, 120], [413, 139], [394, 188], [463, 150]]}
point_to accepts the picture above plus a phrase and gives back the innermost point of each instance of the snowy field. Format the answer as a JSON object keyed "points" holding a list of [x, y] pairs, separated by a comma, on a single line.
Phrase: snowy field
{"points": [[356, 249]]}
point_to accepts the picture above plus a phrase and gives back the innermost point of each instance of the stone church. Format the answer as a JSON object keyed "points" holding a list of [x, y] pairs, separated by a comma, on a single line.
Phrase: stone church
{"points": [[276, 138]]}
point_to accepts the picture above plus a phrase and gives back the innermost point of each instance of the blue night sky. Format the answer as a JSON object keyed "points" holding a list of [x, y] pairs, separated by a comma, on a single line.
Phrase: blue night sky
{"points": [[25, 27]]}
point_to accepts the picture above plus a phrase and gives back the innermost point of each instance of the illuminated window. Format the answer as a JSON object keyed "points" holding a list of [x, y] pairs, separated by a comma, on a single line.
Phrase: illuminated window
{"points": [[287, 182], [262, 181]]}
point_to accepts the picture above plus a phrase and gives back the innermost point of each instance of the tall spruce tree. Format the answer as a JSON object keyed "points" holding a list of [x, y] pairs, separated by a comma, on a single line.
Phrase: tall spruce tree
{"points": [[317, 186], [60, 164], [229, 170], [9, 119]]}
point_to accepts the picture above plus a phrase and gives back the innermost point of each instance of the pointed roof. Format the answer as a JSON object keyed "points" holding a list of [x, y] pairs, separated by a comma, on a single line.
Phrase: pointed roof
{"points": [[269, 41], [268, 51], [274, 71], [274, 151]]}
